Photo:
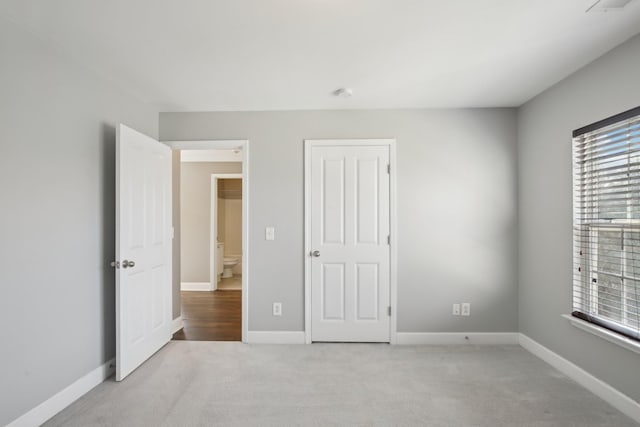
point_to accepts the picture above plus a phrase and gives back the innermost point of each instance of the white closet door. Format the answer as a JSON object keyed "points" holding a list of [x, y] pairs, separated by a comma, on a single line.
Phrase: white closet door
{"points": [[350, 252]]}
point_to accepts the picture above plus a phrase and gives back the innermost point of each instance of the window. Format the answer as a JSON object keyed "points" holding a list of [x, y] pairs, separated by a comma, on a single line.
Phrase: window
{"points": [[606, 223]]}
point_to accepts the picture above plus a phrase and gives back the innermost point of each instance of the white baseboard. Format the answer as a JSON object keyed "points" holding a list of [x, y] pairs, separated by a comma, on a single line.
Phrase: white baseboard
{"points": [[195, 286], [275, 337], [615, 398], [56, 403], [176, 324], [457, 338]]}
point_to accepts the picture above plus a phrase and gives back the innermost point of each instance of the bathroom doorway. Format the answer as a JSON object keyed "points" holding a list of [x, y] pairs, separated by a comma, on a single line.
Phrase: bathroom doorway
{"points": [[211, 291], [226, 232]]}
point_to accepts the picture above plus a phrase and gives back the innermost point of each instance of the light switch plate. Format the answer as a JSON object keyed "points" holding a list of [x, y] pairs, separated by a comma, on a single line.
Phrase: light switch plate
{"points": [[456, 310], [270, 233]]}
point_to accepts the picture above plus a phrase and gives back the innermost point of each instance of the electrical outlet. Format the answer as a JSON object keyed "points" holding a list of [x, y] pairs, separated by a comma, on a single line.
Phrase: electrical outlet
{"points": [[277, 309], [270, 233], [456, 310], [466, 308]]}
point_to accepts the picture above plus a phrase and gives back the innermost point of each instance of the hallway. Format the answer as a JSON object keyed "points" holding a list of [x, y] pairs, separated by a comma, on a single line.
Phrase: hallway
{"points": [[211, 316]]}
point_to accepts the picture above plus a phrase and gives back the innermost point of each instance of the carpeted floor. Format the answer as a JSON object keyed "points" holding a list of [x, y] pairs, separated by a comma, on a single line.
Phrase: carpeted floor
{"points": [[215, 383]]}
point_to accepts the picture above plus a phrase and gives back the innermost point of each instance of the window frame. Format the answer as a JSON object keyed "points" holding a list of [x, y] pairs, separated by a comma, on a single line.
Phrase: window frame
{"points": [[586, 272]]}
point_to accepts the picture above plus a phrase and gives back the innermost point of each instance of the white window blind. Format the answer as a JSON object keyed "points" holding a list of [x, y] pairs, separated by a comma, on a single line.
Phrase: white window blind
{"points": [[606, 223]]}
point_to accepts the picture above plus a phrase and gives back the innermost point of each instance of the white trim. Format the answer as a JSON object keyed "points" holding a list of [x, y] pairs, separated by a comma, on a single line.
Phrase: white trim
{"points": [[56, 403], [195, 286], [352, 142], [244, 146], [604, 333], [245, 241], [213, 237], [213, 233], [207, 144], [197, 156], [393, 257], [615, 398], [457, 338], [276, 337], [176, 324]]}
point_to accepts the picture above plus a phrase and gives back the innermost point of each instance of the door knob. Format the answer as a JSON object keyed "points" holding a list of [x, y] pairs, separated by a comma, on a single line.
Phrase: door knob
{"points": [[126, 264], [315, 253]]}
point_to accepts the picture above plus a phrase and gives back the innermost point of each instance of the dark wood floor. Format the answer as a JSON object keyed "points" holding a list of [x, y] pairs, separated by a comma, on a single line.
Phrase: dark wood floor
{"points": [[211, 316]]}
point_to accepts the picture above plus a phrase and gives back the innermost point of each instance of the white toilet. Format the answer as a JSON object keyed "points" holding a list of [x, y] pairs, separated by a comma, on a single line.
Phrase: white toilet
{"points": [[228, 263], [225, 264]]}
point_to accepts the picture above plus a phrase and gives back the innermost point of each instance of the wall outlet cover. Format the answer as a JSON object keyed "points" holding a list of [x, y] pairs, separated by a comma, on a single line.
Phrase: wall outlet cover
{"points": [[277, 309], [456, 310], [466, 308]]}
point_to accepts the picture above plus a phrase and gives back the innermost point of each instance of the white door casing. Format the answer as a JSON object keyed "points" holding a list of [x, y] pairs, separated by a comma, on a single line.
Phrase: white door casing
{"points": [[246, 200], [143, 236], [348, 200], [213, 235]]}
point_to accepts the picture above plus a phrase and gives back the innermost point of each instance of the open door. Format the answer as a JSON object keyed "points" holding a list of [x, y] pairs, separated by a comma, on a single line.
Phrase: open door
{"points": [[143, 248]]}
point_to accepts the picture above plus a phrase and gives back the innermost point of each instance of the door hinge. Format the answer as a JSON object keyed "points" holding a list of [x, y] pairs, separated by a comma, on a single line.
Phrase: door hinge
{"points": [[389, 168], [388, 239], [389, 310]]}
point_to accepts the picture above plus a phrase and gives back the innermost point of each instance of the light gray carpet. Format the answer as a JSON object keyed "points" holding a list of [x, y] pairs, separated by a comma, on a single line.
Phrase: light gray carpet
{"points": [[215, 383]]}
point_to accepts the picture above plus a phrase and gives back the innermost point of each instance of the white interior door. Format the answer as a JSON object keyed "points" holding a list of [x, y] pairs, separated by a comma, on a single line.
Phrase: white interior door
{"points": [[350, 252], [143, 248]]}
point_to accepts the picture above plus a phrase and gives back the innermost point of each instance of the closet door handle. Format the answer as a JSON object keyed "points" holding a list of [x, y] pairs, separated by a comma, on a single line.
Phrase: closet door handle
{"points": [[128, 264], [315, 254]]}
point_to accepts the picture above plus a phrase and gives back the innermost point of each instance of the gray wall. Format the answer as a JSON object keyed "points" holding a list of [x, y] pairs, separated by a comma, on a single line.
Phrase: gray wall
{"points": [[57, 176], [456, 208], [607, 86], [195, 211], [175, 210]]}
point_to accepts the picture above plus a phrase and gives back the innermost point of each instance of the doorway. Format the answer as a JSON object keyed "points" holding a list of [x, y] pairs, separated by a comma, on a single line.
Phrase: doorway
{"points": [[207, 311], [226, 231]]}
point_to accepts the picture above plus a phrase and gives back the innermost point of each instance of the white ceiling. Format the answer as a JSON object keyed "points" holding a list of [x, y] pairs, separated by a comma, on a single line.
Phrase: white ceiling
{"points": [[217, 55]]}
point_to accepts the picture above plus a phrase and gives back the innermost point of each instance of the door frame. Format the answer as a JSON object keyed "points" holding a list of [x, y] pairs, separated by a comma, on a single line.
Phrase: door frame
{"points": [[393, 253], [232, 144], [213, 241]]}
